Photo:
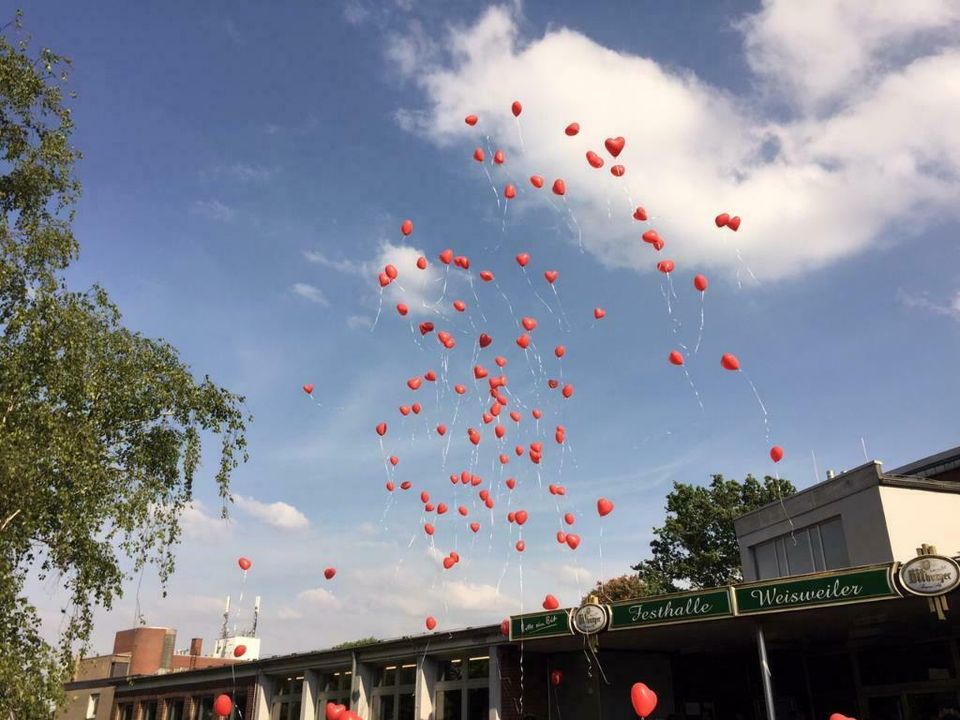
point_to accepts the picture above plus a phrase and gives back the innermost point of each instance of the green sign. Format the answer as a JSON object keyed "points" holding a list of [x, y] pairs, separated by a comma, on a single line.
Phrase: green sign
{"points": [[666, 609], [860, 585], [540, 625]]}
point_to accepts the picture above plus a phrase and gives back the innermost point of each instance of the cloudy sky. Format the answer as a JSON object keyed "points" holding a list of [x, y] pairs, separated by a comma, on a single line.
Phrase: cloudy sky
{"points": [[246, 172]]}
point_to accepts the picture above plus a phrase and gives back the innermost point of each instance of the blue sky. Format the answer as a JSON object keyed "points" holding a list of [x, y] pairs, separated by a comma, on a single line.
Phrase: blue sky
{"points": [[246, 172]]}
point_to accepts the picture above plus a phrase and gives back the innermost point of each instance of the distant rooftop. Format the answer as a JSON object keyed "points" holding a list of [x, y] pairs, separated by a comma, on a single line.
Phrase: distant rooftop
{"points": [[932, 465]]}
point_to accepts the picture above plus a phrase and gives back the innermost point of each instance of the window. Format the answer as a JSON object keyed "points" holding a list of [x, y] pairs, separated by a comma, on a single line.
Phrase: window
{"points": [[148, 710], [125, 711], [203, 708], [175, 709], [286, 701], [810, 549], [118, 669], [463, 688], [334, 687], [93, 704], [393, 692]]}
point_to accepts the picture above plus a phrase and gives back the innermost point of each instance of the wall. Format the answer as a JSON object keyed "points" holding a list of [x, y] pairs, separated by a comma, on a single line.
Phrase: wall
{"points": [[145, 645], [77, 703], [920, 516]]}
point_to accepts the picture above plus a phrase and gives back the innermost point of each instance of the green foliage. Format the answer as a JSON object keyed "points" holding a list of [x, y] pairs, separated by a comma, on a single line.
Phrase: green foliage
{"points": [[626, 587], [100, 427], [697, 545], [356, 643]]}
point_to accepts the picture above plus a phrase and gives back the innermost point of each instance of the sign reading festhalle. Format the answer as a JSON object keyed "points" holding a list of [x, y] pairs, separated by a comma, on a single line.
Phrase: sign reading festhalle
{"points": [[540, 625], [666, 609], [836, 588]]}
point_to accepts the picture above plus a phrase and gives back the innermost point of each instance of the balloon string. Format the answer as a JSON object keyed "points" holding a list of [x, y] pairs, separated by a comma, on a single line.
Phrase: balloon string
{"points": [[763, 409], [563, 313], [379, 309], [784, 508], [530, 283], [520, 133], [573, 219], [476, 297], [700, 333], [693, 387], [493, 188]]}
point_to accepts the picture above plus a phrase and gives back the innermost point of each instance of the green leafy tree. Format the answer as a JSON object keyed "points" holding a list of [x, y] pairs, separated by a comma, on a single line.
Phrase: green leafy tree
{"points": [[626, 587], [100, 427], [697, 545], [356, 643]]}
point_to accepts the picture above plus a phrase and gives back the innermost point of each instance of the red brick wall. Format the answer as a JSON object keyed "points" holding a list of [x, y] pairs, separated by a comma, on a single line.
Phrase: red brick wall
{"points": [[145, 646]]}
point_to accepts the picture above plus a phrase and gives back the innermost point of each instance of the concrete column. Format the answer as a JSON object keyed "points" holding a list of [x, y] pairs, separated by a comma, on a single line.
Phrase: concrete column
{"points": [[360, 688], [263, 697], [308, 697], [494, 673], [425, 688], [765, 674]]}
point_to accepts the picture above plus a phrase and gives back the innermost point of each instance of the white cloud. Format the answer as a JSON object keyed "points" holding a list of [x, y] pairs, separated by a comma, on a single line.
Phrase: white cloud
{"points": [[359, 322], [311, 293], [572, 574], [289, 613], [247, 172], [816, 53], [923, 302], [477, 596], [811, 189], [355, 13], [348, 267], [197, 524], [277, 514], [213, 210], [319, 597]]}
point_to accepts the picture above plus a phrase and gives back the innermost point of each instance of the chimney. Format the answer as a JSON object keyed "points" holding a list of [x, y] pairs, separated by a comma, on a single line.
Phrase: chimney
{"points": [[830, 475], [196, 646]]}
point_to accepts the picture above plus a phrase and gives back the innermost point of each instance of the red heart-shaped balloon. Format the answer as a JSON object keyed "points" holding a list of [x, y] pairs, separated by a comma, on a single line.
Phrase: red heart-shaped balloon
{"points": [[700, 282], [568, 518], [734, 223], [416, 408], [521, 517], [521, 546], [329, 573], [559, 187], [510, 192], [479, 372], [485, 340], [561, 537], [599, 313], [776, 453], [500, 360], [650, 236], [573, 541], [594, 159], [523, 259], [448, 563], [614, 145], [644, 699], [551, 276], [536, 181], [459, 389], [381, 429], [665, 266], [528, 323], [728, 361], [308, 389], [721, 220], [640, 214], [604, 507], [406, 227], [567, 391], [430, 376], [441, 430], [511, 483], [550, 603], [572, 129], [475, 526], [470, 120], [675, 357], [618, 170], [446, 256], [537, 413], [486, 275], [431, 623], [524, 341], [478, 154], [499, 157], [334, 711], [553, 384], [516, 108], [414, 383], [426, 327]]}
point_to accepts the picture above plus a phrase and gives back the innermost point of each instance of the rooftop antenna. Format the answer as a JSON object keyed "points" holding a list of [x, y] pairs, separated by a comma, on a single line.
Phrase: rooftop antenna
{"points": [[256, 616], [226, 618]]}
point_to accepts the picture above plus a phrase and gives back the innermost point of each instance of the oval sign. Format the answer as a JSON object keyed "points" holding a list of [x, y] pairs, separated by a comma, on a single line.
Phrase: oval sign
{"points": [[590, 619], [930, 575]]}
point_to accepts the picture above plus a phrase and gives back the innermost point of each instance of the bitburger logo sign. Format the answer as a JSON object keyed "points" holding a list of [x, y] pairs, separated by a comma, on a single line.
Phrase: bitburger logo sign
{"points": [[930, 575], [590, 618]]}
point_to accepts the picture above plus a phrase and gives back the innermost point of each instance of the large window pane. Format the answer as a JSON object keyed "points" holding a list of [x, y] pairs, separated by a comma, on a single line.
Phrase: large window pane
{"points": [[450, 670], [478, 668], [799, 553], [407, 675], [204, 708], [450, 704], [407, 703], [149, 710], [478, 704], [383, 707], [834, 544], [765, 556], [387, 676]]}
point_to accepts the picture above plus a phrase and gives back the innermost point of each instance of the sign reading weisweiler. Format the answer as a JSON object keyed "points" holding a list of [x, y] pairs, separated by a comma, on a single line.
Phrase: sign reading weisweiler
{"points": [[836, 588], [555, 623], [666, 609]]}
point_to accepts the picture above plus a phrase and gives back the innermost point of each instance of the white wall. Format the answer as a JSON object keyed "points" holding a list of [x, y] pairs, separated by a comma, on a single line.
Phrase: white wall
{"points": [[921, 516]]}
